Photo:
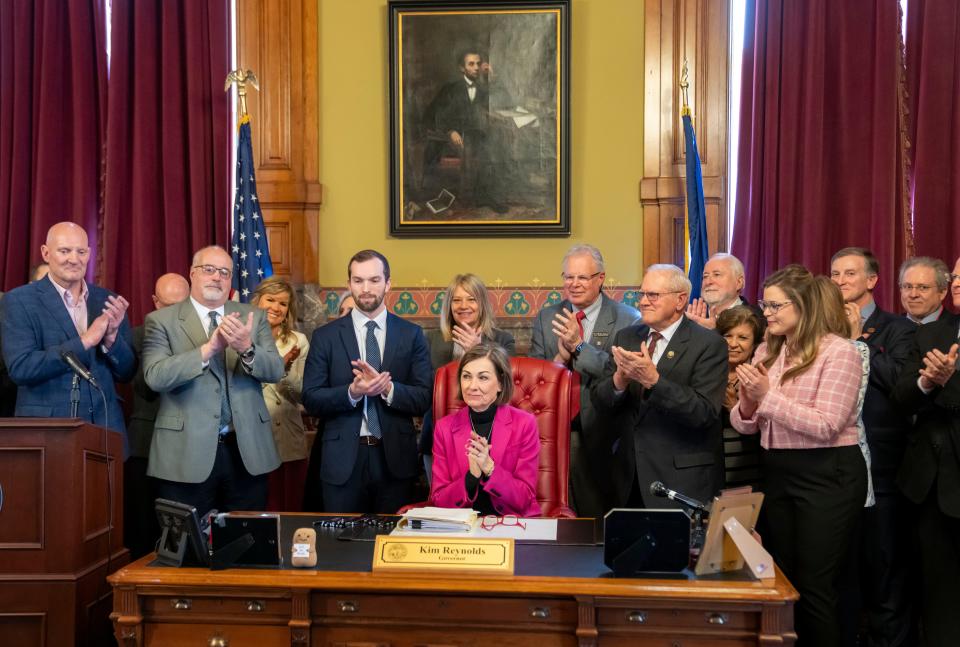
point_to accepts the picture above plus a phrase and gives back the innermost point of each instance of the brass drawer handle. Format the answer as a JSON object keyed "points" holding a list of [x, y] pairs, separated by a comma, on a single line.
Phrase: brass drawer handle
{"points": [[717, 619], [638, 617], [218, 641], [348, 606], [181, 604], [255, 606], [540, 613]]}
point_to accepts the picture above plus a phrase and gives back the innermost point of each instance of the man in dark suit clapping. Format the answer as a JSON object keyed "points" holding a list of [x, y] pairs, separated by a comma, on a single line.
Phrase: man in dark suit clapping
{"points": [[666, 378], [929, 386], [883, 546], [367, 375]]}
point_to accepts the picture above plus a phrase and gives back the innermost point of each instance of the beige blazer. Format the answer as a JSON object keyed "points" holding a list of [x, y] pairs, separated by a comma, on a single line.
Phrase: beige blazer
{"points": [[283, 402]]}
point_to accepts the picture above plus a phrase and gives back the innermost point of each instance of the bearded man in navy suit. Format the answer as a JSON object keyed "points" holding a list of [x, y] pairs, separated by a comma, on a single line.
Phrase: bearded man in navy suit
{"points": [[368, 374]]}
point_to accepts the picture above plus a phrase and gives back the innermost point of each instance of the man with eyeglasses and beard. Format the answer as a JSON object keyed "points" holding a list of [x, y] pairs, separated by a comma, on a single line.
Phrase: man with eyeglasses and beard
{"points": [[212, 445], [665, 382], [368, 374], [579, 332]]}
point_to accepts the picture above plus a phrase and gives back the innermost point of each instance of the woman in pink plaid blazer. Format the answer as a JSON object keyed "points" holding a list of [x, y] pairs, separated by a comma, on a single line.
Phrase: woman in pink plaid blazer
{"points": [[800, 393]]}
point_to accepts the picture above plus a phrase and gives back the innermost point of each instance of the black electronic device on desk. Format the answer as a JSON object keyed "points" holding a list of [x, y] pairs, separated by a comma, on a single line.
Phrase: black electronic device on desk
{"points": [[182, 539], [654, 543], [245, 539]]}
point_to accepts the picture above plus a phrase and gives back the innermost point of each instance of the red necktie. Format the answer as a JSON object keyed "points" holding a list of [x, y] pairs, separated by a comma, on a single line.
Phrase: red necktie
{"points": [[581, 315], [652, 343]]}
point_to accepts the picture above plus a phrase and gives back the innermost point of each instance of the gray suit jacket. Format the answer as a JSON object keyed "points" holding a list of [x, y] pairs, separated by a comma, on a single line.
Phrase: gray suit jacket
{"points": [[595, 455], [613, 317], [184, 443]]}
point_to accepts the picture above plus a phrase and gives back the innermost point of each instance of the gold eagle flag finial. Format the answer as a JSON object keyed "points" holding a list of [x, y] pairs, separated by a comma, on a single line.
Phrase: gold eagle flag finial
{"points": [[684, 86], [241, 78]]}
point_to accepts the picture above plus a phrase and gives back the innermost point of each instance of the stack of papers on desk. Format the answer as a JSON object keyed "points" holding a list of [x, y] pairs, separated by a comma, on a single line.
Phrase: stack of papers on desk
{"points": [[438, 520]]}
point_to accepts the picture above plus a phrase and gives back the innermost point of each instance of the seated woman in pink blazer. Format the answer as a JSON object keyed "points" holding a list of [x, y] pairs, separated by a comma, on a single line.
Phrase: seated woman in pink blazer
{"points": [[486, 455]]}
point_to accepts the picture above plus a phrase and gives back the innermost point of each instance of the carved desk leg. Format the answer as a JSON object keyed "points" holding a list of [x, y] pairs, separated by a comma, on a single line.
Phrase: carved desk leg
{"points": [[776, 625], [300, 622], [126, 617], [586, 622]]}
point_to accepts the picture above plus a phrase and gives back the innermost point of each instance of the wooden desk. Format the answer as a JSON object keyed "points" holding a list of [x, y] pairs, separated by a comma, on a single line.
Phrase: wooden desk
{"points": [[559, 596]]}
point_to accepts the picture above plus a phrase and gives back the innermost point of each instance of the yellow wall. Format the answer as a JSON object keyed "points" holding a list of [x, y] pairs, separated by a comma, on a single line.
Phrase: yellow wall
{"points": [[606, 156]]}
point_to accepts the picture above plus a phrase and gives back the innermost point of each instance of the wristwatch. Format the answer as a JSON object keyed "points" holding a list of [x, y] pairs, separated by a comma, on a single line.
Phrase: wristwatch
{"points": [[576, 351], [248, 354]]}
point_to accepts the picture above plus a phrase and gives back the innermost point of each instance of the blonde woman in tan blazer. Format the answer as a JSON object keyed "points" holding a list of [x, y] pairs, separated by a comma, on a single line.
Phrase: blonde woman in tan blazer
{"points": [[277, 298]]}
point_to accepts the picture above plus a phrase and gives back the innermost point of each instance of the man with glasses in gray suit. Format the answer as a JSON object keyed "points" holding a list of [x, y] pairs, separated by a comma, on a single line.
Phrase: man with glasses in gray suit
{"points": [[579, 332]]}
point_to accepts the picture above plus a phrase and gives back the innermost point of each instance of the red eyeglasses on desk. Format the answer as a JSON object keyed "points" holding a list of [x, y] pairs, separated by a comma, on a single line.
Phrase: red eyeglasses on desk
{"points": [[491, 521]]}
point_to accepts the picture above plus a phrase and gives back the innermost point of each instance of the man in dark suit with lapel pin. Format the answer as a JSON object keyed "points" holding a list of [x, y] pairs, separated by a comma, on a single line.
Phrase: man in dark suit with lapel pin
{"points": [[62, 312], [578, 332], [368, 374], [929, 387], [883, 551], [665, 379]]}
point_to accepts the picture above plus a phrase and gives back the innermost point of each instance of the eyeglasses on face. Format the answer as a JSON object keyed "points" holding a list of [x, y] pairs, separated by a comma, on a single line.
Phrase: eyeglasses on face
{"points": [[491, 521], [922, 288], [653, 297], [773, 306], [210, 270], [954, 277], [570, 279]]}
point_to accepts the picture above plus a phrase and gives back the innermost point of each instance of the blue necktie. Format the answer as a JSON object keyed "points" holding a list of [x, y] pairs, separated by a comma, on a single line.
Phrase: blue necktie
{"points": [[373, 359], [219, 364]]}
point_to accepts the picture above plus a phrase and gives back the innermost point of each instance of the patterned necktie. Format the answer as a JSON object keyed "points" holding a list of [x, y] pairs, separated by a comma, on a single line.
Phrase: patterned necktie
{"points": [[219, 363], [652, 344], [581, 315], [373, 359]]}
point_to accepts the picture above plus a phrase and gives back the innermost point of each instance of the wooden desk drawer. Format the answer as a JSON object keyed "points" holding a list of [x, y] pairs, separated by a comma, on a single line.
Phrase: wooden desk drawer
{"points": [[213, 635], [433, 608], [646, 615], [195, 608]]}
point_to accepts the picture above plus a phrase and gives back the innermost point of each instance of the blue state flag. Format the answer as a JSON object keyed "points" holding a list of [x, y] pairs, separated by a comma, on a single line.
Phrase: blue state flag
{"points": [[251, 254], [696, 224]]}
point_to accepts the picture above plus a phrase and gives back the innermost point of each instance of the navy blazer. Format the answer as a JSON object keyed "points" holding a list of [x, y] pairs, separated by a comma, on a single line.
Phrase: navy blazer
{"points": [[889, 339], [36, 328], [328, 374]]}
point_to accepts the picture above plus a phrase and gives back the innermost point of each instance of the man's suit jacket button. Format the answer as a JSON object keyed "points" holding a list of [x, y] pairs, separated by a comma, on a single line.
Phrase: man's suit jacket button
{"points": [[90, 409]]}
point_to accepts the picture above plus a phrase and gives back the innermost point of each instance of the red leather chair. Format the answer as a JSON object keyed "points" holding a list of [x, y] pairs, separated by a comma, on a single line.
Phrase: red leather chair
{"points": [[551, 392]]}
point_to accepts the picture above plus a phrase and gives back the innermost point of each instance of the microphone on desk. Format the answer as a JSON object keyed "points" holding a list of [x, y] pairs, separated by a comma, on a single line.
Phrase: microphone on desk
{"points": [[657, 488], [77, 367]]}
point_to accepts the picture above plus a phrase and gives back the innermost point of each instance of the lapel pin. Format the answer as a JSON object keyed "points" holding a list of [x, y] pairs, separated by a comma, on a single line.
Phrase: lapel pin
{"points": [[670, 354]]}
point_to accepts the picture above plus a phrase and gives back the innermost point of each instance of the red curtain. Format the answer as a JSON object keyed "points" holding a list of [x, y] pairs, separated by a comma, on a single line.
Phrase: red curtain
{"points": [[168, 145], [933, 81], [52, 106], [820, 165]]}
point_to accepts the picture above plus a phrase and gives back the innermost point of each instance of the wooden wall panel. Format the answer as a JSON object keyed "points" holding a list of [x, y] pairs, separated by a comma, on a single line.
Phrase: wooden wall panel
{"points": [[277, 39], [696, 31]]}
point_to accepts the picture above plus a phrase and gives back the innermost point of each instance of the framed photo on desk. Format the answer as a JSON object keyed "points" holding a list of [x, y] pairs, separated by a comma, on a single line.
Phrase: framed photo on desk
{"points": [[479, 118]]}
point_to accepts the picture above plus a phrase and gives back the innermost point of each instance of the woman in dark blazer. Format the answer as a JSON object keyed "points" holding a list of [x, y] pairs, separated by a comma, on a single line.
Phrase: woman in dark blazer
{"points": [[487, 454], [466, 319]]}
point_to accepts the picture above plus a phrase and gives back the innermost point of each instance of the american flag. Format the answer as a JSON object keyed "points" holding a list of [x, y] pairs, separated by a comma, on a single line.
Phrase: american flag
{"points": [[251, 254]]}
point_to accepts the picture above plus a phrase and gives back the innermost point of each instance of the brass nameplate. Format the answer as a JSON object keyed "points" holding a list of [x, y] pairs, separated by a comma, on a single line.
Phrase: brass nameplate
{"points": [[493, 556]]}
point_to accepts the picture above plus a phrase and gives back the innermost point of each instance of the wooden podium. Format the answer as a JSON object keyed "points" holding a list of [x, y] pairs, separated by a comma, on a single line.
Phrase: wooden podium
{"points": [[56, 530]]}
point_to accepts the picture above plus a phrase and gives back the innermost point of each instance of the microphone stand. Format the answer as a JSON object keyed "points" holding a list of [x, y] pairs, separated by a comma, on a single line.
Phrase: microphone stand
{"points": [[74, 396]]}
